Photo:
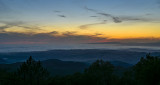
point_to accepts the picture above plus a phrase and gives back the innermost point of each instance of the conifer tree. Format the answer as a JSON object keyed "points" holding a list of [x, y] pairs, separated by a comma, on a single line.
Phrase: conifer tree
{"points": [[31, 72]]}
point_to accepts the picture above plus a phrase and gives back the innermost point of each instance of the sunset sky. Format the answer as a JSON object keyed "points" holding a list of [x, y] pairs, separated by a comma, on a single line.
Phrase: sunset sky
{"points": [[79, 21]]}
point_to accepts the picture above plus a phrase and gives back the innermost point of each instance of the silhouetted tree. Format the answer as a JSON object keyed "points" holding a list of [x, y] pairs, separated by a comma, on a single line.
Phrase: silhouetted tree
{"points": [[147, 71], [3, 74], [8, 78], [127, 78], [99, 73], [32, 73]]}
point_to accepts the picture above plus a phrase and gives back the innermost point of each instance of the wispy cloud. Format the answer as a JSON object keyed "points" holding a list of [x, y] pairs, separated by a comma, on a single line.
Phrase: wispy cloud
{"points": [[67, 33], [88, 25], [60, 14], [56, 11], [2, 28], [89, 9], [63, 16], [8, 24], [132, 18], [116, 19], [93, 16]]}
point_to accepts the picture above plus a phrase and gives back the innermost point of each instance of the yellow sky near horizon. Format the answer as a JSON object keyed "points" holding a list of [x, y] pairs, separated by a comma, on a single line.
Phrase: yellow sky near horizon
{"points": [[110, 30]]}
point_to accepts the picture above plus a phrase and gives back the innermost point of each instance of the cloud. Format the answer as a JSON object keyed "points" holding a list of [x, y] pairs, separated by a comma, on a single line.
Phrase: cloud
{"points": [[56, 37], [68, 33], [21, 24], [88, 25], [51, 37], [131, 18], [29, 27], [56, 11], [89, 9], [96, 34], [8, 24], [2, 28], [63, 16], [60, 14], [93, 16], [12, 23], [116, 19], [132, 42], [54, 32]]}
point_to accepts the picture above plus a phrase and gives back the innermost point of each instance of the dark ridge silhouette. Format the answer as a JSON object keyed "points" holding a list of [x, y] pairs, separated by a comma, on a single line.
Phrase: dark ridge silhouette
{"points": [[31, 72], [54, 66]]}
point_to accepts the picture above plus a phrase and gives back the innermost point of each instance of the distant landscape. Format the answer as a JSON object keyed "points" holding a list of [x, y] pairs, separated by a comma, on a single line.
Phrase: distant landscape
{"points": [[63, 62], [80, 55], [58, 72]]}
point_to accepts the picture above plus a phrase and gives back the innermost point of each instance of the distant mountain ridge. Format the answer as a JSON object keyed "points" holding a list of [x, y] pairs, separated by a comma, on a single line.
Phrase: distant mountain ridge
{"points": [[54, 66], [58, 67], [85, 55]]}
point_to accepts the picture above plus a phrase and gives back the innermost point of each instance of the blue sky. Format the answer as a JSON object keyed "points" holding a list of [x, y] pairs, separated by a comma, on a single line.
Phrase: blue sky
{"points": [[31, 10]]}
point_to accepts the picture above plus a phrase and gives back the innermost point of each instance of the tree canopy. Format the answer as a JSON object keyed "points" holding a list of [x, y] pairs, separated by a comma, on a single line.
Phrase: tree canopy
{"points": [[31, 72]]}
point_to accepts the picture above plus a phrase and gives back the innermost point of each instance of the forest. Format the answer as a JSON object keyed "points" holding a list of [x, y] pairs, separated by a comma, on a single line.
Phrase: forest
{"points": [[100, 72]]}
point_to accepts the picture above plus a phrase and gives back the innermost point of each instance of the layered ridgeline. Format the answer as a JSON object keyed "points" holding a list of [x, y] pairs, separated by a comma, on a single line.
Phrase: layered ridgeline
{"points": [[89, 55], [58, 67]]}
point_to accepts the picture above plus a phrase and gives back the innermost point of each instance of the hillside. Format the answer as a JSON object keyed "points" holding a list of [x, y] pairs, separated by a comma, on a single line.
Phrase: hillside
{"points": [[58, 67], [54, 66]]}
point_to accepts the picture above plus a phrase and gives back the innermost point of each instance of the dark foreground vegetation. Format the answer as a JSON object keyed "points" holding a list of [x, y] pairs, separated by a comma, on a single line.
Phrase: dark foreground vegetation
{"points": [[31, 72]]}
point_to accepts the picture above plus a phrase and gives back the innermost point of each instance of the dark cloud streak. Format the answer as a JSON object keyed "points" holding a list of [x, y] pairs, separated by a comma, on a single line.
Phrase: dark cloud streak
{"points": [[93, 16], [131, 18], [72, 37], [88, 25], [117, 19], [51, 37], [57, 11], [93, 10], [63, 16], [131, 43]]}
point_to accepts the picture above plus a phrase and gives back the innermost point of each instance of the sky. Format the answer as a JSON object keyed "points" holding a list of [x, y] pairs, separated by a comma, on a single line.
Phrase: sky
{"points": [[40, 22]]}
